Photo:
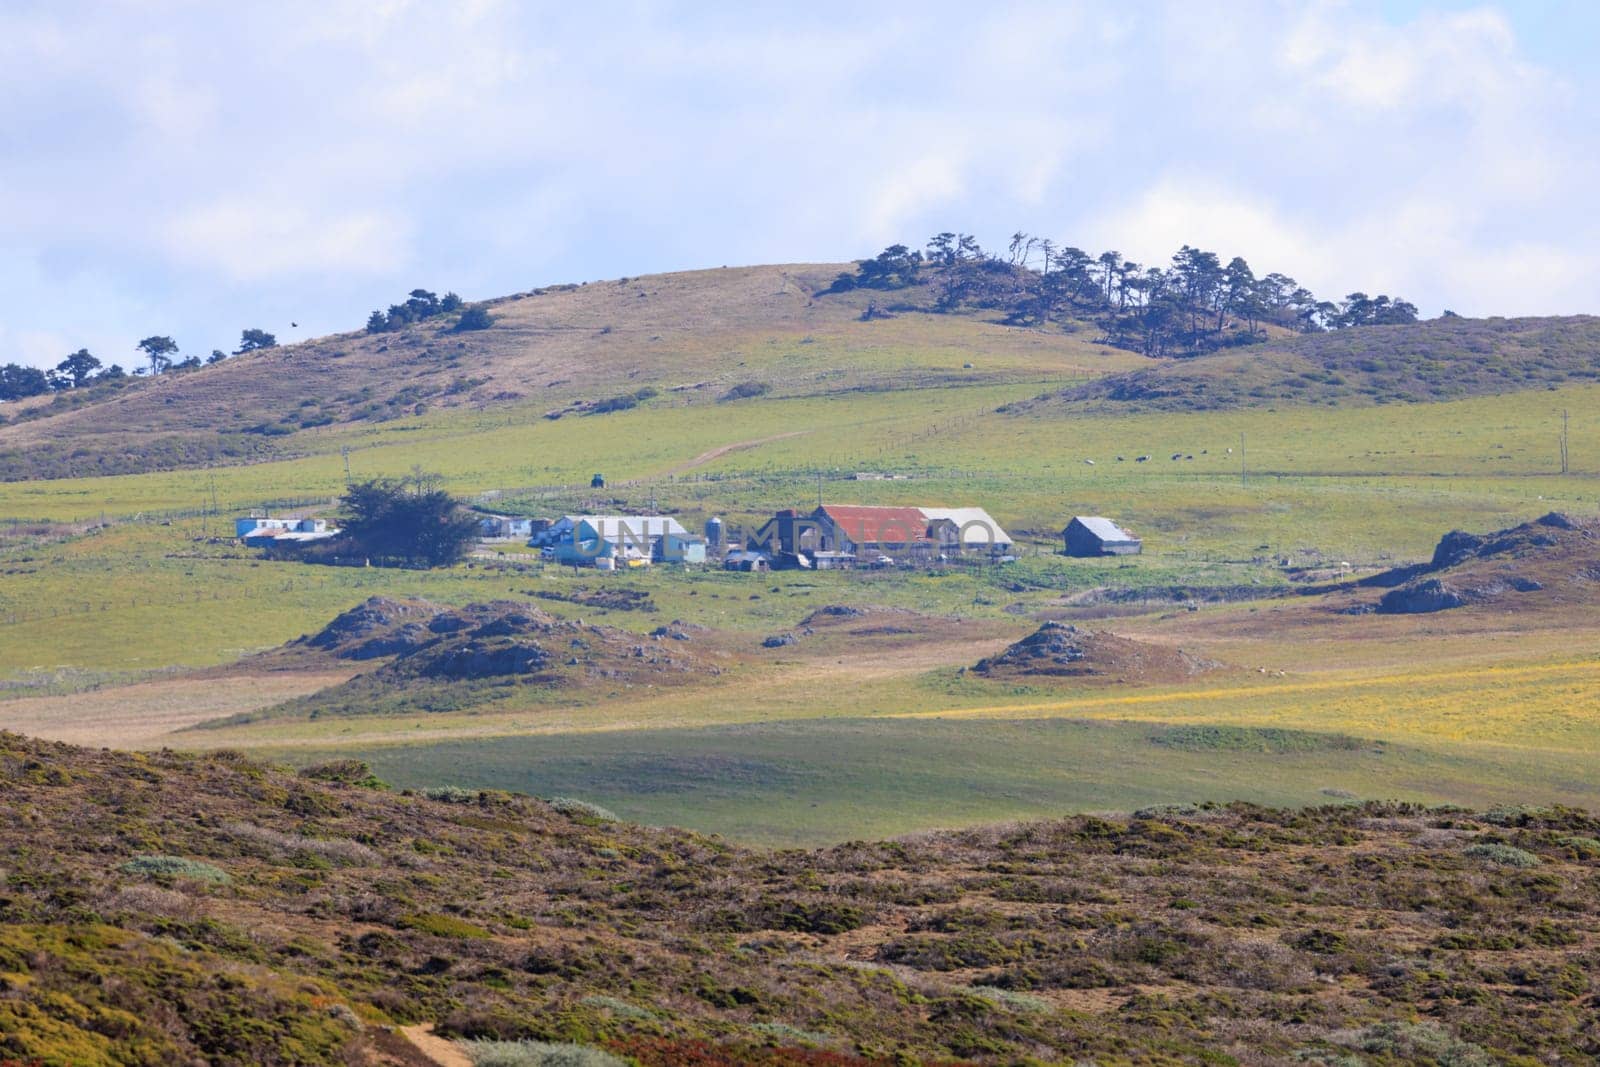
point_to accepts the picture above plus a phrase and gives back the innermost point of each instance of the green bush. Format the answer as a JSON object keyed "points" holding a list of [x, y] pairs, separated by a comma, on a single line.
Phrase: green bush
{"points": [[474, 318], [451, 794], [582, 809], [620, 1008], [745, 391], [174, 867], [1502, 855], [536, 1054], [443, 926]]}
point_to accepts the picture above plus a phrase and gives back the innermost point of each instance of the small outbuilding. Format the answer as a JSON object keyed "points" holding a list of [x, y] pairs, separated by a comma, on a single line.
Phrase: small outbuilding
{"points": [[1092, 535]]}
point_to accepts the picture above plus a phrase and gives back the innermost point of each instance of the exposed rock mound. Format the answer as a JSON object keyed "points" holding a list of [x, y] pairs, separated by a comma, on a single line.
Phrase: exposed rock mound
{"points": [[377, 627], [832, 611], [1556, 554], [440, 658], [1060, 650]]}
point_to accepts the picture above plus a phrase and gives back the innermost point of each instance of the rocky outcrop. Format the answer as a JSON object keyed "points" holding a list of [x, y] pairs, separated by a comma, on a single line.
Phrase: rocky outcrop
{"points": [[1554, 551], [1418, 598], [480, 657], [1061, 650]]}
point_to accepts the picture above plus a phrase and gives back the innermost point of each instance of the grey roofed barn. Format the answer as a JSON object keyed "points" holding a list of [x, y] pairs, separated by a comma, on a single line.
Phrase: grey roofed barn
{"points": [[1094, 535]]}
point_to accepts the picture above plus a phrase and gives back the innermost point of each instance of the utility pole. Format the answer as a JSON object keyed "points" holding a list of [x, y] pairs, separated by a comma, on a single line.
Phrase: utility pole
{"points": [[1564, 455], [345, 451], [1241, 460], [819, 489]]}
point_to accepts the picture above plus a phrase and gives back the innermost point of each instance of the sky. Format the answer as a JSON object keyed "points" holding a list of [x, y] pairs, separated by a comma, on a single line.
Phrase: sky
{"points": [[194, 169]]}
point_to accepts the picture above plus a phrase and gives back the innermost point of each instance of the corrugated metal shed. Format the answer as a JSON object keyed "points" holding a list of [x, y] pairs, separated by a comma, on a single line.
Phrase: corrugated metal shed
{"points": [[1104, 528], [975, 524], [875, 526], [1094, 535]]}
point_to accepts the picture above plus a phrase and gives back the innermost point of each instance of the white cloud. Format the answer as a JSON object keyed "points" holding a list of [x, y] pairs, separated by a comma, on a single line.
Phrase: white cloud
{"points": [[184, 169], [252, 239]]}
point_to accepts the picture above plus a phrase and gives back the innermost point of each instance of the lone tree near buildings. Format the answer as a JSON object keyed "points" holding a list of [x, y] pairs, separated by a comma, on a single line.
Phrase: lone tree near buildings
{"points": [[407, 521], [159, 351]]}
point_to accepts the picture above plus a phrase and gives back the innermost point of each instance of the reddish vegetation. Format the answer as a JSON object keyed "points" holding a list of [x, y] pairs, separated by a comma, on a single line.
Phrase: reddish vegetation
{"points": [[666, 1052]]}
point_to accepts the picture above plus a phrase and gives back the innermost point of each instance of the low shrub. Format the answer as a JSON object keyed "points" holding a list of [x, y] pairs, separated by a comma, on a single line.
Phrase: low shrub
{"points": [[582, 809], [746, 391], [620, 1008], [451, 794], [442, 926], [175, 867], [338, 850], [1022, 1003], [536, 1054], [1502, 855]]}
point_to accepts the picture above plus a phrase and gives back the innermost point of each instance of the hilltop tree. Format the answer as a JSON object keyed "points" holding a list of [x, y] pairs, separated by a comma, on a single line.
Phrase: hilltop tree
{"points": [[18, 382], [420, 304], [408, 521], [474, 318], [1359, 309], [1195, 305], [159, 351], [78, 367], [253, 339], [217, 356]]}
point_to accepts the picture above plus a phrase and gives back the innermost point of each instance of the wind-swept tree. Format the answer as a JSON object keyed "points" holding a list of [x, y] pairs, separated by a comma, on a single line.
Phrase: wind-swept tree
{"points": [[253, 339], [18, 382], [78, 367], [158, 350], [409, 521]]}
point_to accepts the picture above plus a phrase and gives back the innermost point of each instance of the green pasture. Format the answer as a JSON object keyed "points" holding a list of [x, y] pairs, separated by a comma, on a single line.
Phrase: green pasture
{"points": [[813, 781], [1363, 485]]}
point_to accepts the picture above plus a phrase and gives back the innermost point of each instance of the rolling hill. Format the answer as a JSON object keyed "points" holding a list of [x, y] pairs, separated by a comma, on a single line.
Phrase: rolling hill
{"points": [[179, 908], [1443, 359], [687, 338], [754, 335]]}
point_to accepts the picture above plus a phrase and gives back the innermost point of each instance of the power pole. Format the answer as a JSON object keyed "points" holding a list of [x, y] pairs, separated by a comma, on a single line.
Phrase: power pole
{"points": [[1564, 455], [1242, 481], [345, 451]]}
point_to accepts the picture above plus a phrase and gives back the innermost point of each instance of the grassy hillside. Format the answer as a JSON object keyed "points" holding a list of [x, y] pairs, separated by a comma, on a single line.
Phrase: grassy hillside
{"points": [[701, 339], [1443, 359], [687, 338], [174, 908]]}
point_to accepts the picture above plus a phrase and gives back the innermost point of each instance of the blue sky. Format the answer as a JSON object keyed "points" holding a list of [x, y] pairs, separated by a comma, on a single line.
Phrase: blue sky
{"points": [[193, 169]]}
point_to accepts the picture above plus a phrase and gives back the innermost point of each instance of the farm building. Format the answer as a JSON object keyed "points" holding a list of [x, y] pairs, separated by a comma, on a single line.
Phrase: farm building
{"points": [[504, 527], [743, 560], [677, 548], [257, 531], [844, 533], [628, 540], [1092, 535]]}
